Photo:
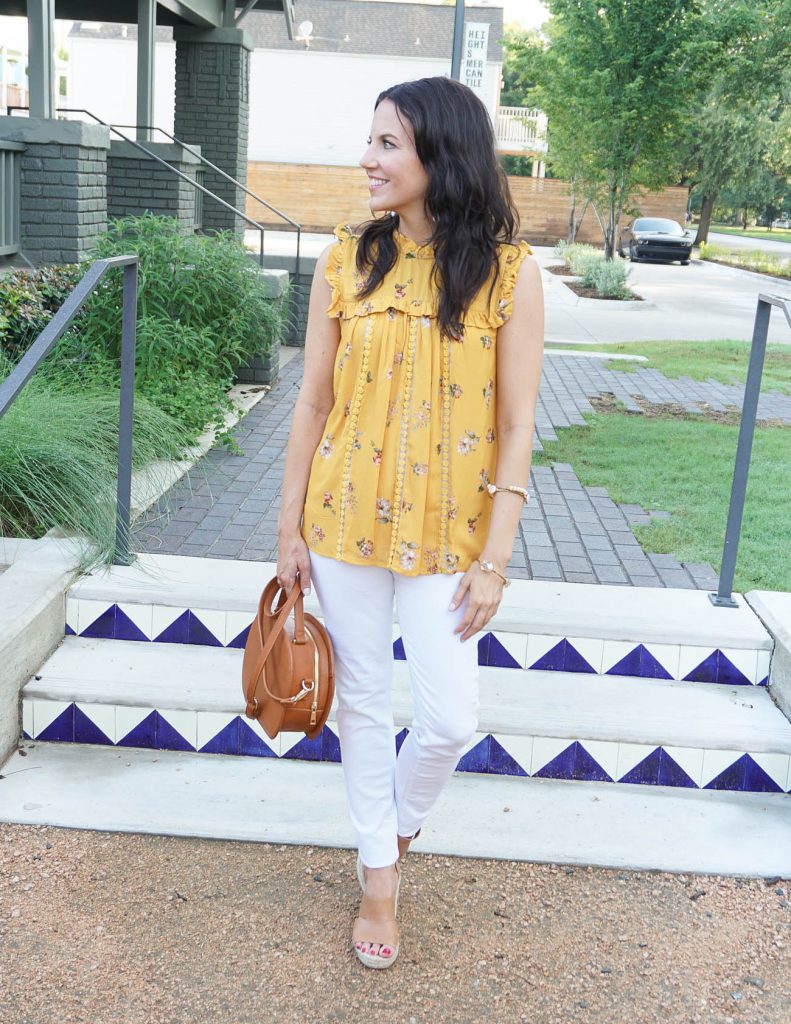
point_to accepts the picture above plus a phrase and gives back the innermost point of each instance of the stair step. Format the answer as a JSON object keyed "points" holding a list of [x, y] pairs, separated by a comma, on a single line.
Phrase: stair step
{"points": [[263, 800], [721, 736], [645, 632]]}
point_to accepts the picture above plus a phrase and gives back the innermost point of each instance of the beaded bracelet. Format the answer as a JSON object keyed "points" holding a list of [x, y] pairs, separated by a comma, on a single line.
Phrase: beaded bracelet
{"points": [[521, 491]]}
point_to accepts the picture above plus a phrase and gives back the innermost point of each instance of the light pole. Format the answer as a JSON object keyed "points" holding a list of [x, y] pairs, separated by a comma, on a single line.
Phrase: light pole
{"points": [[458, 38]]}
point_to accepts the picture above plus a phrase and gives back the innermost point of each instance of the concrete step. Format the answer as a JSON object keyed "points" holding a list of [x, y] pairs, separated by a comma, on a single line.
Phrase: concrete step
{"points": [[583, 727], [649, 632], [263, 800]]}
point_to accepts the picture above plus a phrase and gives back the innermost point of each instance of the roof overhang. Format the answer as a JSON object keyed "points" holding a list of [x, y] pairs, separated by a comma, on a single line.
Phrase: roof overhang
{"points": [[201, 13]]}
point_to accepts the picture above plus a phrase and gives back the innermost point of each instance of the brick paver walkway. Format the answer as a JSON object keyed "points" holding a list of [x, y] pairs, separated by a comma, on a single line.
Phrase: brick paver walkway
{"points": [[227, 506]]}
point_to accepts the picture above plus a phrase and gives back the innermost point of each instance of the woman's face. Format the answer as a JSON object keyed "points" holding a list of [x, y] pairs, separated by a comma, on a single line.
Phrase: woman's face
{"points": [[397, 179]]}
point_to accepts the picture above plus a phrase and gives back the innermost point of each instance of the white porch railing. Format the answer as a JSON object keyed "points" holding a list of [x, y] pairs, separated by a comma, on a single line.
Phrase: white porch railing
{"points": [[521, 129]]}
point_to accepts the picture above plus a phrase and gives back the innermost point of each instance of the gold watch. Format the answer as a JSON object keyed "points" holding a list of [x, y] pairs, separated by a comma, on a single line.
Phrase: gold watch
{"points": [[487, 566]]}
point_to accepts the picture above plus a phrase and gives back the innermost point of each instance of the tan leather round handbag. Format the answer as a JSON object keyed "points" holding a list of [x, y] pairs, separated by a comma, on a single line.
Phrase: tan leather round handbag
{"points": [[288, 672]]}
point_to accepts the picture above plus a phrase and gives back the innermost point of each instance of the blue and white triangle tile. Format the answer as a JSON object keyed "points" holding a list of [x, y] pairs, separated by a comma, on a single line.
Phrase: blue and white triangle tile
{"points": [[183, 723], [762, 664], [207, 627], [237, 626], [53, 719], [501, 761], [297, 746], [217, 732], [546, 749], [135, 726], [72, 616], [654, 767], [253, 741], [133, 621], [96, 619], [604, 753], [571, 762], [330, 745], [717, 762], [475, 757], [737, 666], [170, 624], [584, 654], [94, 723], [518, 748], [746, 773], [475, 753], [698, 664], [689, 761], [399, 654], [650, 661], [27, 718], [502, 650], [553, 653], [400, 735]]}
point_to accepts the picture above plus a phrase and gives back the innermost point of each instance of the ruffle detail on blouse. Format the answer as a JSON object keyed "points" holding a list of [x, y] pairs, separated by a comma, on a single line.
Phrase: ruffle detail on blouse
{"points": [[418, 297], [336, 258], [502, 302]]}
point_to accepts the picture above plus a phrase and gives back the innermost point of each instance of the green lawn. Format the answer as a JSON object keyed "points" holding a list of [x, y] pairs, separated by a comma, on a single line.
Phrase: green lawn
{"points": [[725, 361], [776, 235], [684, 466]]}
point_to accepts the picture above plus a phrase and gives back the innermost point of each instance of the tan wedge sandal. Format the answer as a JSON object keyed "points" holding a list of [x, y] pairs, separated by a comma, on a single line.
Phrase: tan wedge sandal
{"points": [[403, 846], [376, 923]]}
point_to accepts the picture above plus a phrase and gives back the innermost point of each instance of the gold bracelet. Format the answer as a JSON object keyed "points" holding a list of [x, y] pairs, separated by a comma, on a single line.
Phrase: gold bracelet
{"points": [[521, 491], [487, 566]]}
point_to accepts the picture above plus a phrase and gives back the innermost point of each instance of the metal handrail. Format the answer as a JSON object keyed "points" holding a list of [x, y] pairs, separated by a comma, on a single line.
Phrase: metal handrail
{"points": [[724, 596], [228, 177], [170, 167], [40, 349]]}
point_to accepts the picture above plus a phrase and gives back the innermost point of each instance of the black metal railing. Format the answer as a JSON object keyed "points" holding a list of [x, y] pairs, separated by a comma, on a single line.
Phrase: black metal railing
{"points": [[204, 160], [724, 596], [44, 343], [185, 177]]}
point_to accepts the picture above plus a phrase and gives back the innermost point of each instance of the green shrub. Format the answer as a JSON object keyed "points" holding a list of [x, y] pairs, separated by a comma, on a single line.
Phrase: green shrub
{"points": [[611, 278], [58, 458], [28, 300], [748, 259]]}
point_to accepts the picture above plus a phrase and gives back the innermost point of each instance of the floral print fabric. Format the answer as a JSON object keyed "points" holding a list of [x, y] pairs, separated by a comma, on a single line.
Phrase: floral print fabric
{"points": [[399, 477]]}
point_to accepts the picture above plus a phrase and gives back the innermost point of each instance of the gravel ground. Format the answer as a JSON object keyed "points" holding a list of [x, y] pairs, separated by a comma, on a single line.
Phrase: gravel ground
{"points": [[119, 928]]}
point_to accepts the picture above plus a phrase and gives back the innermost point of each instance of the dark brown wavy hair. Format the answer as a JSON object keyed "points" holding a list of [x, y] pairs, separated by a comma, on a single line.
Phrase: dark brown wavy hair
{"points": [[468, 195]]}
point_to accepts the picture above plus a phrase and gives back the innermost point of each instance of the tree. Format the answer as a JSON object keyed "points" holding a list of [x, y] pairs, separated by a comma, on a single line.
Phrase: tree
{"points": [[737, 127], [614, 82]]}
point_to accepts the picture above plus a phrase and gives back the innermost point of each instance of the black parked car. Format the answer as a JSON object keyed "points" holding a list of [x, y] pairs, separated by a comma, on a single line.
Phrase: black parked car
{"points": [[655, 238]]}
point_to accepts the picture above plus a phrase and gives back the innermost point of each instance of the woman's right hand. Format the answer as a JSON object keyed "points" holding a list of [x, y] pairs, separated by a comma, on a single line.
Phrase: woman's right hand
{"points": [[293, 557]]}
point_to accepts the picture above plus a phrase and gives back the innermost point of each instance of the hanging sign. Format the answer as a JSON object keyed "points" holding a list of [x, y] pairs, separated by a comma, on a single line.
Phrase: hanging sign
{"points": [[476, 46]]}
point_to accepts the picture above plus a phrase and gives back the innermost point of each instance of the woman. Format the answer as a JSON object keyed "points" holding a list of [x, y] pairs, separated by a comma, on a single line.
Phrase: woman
{"points": [[422, 363]]}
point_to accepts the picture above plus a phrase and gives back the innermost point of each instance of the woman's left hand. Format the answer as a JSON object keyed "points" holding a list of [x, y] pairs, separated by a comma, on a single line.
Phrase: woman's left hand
{"points": [[485, 591]]}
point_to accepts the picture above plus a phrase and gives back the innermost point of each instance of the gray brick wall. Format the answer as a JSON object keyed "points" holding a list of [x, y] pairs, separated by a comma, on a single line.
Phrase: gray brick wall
{"points": [[299, 294], [136, 184], [63, 204], [212, 109]]}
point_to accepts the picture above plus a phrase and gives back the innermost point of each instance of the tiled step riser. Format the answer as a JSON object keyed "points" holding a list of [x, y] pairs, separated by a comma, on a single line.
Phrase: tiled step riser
{"points": [[578, 760], [224, 628]]}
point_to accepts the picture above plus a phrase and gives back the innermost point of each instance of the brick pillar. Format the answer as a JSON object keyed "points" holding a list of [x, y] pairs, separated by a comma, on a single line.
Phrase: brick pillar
{"points": [[63, 186], [136, 184], [212, 110]]}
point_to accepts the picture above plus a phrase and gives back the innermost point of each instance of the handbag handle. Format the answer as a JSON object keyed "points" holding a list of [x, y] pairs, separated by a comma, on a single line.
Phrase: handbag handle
{"points": [[293, 598]]}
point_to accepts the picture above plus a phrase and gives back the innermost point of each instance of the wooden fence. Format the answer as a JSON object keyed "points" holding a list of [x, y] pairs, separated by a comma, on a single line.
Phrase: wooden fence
{"points": [[320, 196]]}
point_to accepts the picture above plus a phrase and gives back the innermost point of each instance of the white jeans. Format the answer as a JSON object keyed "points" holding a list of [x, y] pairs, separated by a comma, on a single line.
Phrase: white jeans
{"points": [[389, 795]]}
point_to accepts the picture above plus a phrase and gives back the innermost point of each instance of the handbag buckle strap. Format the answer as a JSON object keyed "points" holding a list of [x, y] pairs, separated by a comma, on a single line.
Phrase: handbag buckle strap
{"points": [[304, 690]]}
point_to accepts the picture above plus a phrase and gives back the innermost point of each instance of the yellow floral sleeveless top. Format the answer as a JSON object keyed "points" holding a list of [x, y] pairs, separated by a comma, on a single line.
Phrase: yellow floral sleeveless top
{"points": [[399, 477]]}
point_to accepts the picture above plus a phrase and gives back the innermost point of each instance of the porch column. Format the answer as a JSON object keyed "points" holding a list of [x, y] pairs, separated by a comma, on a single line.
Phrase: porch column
{"points": [[146, 23], [212, 109], [41, 57]]}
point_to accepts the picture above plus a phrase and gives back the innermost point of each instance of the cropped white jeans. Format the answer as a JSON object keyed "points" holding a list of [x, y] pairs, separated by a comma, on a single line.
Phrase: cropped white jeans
{"points": [[389, 795]]}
